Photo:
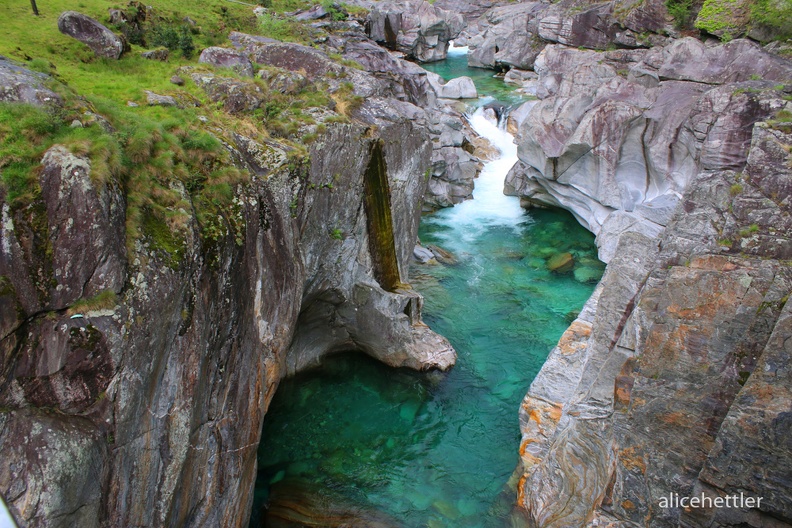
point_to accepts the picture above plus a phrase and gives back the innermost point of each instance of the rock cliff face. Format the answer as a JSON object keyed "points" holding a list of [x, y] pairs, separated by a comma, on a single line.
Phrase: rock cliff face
{"points": [[617, 136], [673, 377], [418, 29], [147, 410]]}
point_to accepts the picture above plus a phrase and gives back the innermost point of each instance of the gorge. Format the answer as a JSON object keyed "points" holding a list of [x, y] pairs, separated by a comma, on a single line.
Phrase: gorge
{"points": [[178, 236]]}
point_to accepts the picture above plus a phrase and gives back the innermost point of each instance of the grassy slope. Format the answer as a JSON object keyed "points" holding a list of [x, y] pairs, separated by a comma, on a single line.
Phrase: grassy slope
{"points": [[152, 146]]}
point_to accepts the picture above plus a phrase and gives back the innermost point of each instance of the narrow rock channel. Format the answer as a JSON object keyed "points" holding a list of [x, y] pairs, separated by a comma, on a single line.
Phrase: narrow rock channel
{"points": [[355, 441]]}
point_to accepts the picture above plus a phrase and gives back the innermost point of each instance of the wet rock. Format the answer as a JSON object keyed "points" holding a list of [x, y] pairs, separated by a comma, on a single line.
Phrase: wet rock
{"points": [[443, 256], [227, 58], [422, 254], [295, 502], [101, 40]]}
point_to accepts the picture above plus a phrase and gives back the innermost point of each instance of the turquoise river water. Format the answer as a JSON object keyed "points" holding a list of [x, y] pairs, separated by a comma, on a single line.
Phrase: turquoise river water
{"points": [[402, 448]]}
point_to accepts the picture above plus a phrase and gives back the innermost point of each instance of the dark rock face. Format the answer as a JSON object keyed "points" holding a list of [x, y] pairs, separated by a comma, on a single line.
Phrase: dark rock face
{"points": [[147, 410], [101, 40], [73, 212], [227, 58]]}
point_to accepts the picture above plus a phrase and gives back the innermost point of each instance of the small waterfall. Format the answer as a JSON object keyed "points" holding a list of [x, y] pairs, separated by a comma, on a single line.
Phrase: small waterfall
{"points": [[489, 206]]}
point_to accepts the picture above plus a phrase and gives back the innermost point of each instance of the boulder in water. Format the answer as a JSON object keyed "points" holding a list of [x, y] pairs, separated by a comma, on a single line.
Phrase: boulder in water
{"points": [[423, 255], [561, 262], [443, 256], [298, 503], [458, 88]]}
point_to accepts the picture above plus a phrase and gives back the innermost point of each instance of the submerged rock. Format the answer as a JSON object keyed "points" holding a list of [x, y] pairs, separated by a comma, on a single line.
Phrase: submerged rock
{"points": [[296, 503], [561, 262]]}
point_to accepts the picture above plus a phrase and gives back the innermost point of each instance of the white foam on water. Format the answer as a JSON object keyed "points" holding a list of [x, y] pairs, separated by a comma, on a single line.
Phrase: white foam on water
{"points": [[489, 206], [456, 51]]}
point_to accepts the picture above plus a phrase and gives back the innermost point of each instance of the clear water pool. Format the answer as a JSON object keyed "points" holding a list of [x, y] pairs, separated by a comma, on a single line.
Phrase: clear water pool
{"points": [[357, 440]]}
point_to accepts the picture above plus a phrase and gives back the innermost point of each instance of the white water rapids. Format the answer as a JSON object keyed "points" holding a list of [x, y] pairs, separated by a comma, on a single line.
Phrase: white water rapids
{"points": [[489, 206]]}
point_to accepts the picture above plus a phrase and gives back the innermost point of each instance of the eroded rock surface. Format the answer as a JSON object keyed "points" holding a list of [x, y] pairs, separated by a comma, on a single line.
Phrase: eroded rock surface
{"points": [[617, 136], [227, 58], [416, 28], [145, 408], [672, 378]]}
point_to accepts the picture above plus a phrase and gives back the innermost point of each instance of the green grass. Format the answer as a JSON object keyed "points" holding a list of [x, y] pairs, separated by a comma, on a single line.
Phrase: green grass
{"points": [[103, 300], [718, 15], [167, 166], [775, 15]]}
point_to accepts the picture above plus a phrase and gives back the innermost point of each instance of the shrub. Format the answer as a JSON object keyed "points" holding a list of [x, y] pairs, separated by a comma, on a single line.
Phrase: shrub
{"points": [[775, 15], [679, 11]]}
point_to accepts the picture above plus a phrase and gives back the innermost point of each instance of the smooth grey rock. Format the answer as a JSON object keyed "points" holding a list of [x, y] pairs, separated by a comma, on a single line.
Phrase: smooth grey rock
{"points": [[160, 100], [599, 142], [101, 40], [227, 58], [18, 84], [689, 59], [684, 348], [457, 88], [416, 28], [508, 37], [422, 254]]}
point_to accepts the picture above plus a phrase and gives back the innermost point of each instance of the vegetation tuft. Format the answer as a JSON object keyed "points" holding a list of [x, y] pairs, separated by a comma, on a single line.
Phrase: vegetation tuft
{"points": [[175, 175]]}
